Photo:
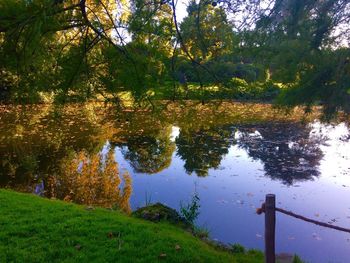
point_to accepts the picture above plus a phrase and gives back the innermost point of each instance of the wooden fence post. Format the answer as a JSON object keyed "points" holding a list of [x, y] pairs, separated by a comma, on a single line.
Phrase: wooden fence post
{"points": [[270, 223]]}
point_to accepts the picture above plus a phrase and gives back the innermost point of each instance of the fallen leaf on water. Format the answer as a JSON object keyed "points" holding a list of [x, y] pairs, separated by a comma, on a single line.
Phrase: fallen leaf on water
{"points": [[315, 236]]}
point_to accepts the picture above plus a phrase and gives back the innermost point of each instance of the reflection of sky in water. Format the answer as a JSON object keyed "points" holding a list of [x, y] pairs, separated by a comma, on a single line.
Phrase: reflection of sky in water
{"points": [[238, 161], [175, 131], [335, 165], [231, 193]]}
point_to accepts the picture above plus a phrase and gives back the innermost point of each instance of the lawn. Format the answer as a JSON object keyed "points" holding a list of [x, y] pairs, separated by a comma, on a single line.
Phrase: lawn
{"points": [[34, 229]]}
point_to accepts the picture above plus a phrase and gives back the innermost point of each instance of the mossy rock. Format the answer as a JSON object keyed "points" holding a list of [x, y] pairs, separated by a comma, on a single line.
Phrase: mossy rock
{"points": [[159, 212]]}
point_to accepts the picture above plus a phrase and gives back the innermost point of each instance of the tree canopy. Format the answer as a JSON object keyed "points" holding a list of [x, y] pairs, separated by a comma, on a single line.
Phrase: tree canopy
{"points": [[84, 48]]}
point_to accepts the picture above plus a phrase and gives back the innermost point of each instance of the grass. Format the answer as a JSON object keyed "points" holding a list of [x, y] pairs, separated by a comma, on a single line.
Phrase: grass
{"points": [[194, 92], [256, 91], [34, 229]]}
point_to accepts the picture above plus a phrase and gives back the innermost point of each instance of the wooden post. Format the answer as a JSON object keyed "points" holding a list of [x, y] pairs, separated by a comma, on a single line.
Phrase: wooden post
{"points": [[270, 223]]}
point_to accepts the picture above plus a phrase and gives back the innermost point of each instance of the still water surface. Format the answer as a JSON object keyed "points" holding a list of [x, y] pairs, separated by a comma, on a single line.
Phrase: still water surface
{"points": [[232, 155]]}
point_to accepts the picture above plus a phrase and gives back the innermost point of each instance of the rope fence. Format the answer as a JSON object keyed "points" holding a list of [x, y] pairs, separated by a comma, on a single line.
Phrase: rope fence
{"points": [[312, 221], [269, 208]]}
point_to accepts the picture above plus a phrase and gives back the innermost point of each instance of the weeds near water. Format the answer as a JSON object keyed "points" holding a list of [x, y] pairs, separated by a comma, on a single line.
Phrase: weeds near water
{"points": [[237, 249], [297, 259], [148, 199], [200, 232], [190, 212]]}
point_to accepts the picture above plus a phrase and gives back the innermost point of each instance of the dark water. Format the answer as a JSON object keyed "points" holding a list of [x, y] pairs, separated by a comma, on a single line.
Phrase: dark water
{"points": [[230, 154]]}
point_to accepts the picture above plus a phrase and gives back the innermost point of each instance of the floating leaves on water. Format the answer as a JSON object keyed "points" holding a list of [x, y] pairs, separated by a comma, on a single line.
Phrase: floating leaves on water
{"points": [[332, 221], [240, 202], [222, 201], [316, 236]]}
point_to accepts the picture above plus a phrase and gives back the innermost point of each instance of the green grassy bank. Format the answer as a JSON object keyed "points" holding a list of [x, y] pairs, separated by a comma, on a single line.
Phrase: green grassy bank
{"points": [[34, 229]]}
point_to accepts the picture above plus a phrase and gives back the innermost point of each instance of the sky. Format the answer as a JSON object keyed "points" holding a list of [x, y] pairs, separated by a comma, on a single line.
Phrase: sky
{"points": [[181, 9]]}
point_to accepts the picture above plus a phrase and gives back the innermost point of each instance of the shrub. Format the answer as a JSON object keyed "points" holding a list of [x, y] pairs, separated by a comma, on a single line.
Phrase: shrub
{"points": [[237, 249], [190, 211]]}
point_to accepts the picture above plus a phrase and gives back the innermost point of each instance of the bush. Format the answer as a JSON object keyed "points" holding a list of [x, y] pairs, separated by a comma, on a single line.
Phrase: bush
{"points": [[237, 249], [240, 89], [190, 211]]}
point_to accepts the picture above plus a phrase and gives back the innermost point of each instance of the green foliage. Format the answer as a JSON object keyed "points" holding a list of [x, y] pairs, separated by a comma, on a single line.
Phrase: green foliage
{"points": [[308, 51], [297, 259], [7, 81], [206, 32], [77, 52], [238, 249], [240, 89], [201, 232], [324, 81], [190, 211]]}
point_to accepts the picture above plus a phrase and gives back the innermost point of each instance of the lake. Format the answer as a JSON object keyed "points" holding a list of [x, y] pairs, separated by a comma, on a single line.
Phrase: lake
{"points": [[230, 154]]}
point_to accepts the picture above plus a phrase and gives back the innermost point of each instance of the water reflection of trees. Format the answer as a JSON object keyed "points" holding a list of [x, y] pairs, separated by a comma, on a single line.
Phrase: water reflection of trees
{"points": [[92, 180], [35, 139], [149, 151], [203, 149], [34, 142], [286, 150]]}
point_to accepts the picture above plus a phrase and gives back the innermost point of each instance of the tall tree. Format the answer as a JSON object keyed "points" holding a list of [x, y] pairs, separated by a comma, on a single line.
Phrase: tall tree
{"points": [[206, 31], [305, 45]]}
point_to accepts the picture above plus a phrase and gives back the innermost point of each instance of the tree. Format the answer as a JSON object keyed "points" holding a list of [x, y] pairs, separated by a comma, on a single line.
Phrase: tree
{"points": [[304, 45], [206, 32], [72, 46], [82, 48]]}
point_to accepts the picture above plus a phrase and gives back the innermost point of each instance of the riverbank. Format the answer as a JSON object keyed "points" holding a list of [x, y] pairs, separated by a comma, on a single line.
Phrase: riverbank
{"points": [[35, 229]]}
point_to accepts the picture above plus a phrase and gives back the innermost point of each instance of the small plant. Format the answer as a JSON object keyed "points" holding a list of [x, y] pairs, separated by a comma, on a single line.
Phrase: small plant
{"points": [[237, 249], [148, 199], [200, 232], [190, 211], [297, 259]]}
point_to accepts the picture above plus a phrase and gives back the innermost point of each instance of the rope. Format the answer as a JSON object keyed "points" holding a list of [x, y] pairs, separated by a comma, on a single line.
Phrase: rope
{"points": [[289, 213]]}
